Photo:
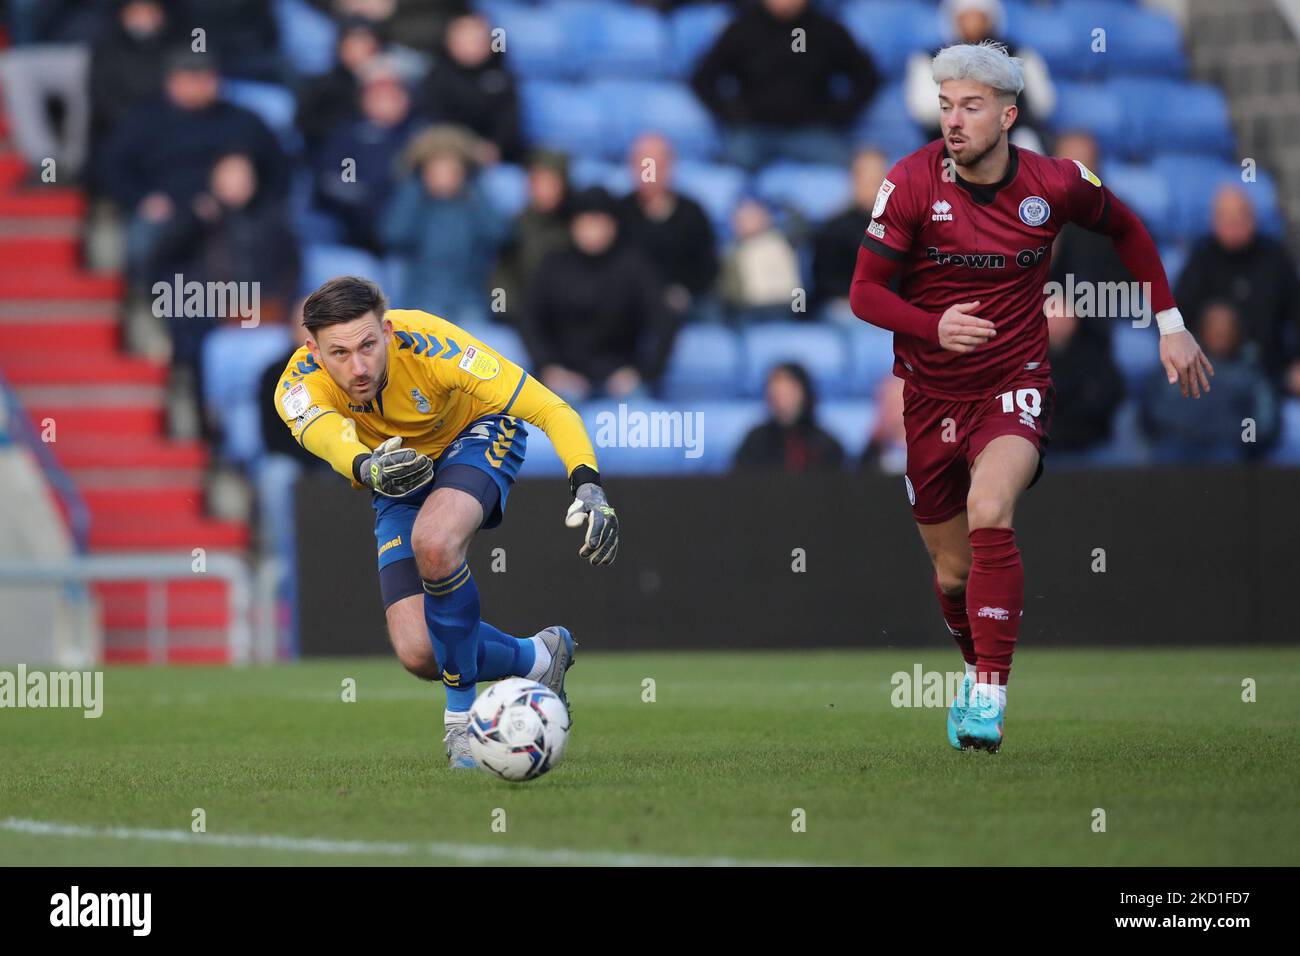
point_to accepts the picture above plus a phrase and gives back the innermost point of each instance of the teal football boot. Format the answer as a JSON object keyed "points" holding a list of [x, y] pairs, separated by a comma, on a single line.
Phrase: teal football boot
{"points": [[981, 728], [957, 712]]}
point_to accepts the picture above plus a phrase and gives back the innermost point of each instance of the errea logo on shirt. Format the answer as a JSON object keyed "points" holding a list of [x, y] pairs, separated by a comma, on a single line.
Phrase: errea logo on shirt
{"points": [[942, 211]]}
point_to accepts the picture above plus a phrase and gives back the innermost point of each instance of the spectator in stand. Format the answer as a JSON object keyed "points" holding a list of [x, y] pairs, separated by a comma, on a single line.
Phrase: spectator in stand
{"points": [[760, 270], [158, 158], [243, 34], [974, 21], [887, 448], [540, 229], [233, 232], [1254, 273], [777, 101], [373, 142], [420, 23], [445, 229], [1088, 386], [790, 440], [1235, 420], [126, 65], [468, 85], [1082, 258], [328, 101], [672, 230], [835, 244], [48, 63], [594, 321]]}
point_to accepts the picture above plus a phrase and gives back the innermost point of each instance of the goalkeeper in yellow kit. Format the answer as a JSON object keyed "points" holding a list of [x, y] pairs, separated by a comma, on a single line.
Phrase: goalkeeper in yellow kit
{"points": [[430, 421]]}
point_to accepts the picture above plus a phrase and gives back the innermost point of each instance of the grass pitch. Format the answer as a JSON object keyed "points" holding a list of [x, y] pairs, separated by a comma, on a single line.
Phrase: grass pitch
{"points": [[713, 770]]}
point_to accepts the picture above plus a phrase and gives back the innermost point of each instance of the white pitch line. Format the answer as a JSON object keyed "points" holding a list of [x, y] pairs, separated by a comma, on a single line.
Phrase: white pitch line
{"points": [[461, 852]]}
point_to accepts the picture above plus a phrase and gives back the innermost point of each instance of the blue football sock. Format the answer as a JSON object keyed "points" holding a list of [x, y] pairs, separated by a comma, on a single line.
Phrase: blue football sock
{"points": [[451, 612], [500, 655]]}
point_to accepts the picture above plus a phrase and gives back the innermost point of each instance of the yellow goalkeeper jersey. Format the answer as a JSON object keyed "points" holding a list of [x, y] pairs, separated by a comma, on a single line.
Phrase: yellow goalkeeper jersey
{"points": [[440, 379]]}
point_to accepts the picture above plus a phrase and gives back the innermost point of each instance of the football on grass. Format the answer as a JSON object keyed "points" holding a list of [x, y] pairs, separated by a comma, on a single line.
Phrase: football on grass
{"points": [[518, 729]]}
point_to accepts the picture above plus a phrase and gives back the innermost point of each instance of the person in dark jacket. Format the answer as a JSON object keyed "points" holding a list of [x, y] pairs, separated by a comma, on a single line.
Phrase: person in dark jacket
{"points": [[791, 440], [539, 229], [1254, 273], [593, 319], [836, 242], [158, 158], [672, 230], [244, 34], [782, 97], [469, 85], [1089, 388], [327, 101]]}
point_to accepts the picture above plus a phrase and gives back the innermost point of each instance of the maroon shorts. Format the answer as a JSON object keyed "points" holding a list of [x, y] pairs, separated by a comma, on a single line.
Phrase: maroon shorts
{"points": [[944, 437]]}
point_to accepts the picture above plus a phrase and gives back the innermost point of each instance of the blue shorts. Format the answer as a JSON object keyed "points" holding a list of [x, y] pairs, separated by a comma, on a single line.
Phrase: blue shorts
{"points": [[483, 461]]}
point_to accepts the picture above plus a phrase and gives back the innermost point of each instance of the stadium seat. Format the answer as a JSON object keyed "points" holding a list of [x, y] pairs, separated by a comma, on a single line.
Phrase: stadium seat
{"points": [[1173, 258], [1137, 353], [274, 104], [871, 357], [1149, 43], [616, 40], [631, 107], [1194, 181], [641, 436], [1095, 108], [233, 361], [815, 191], [850, 421], [1048, 34], [725, 426], [587, 171], [322, 262], [1146, 192], [892, 30], [307, 36], [502, 339], [1199, 124], [692, 30], [1287, 451], [886, 124], [821, 349], [563, 116], [714, 186], [539, 44], [705, 363], [506, 185]]}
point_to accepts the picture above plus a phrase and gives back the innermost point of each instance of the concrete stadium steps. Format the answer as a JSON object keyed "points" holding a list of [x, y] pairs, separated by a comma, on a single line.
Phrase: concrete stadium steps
{"points": [[88, 421], [199, 647], [72, 363], [21, 283], [86, 334], [149, 452], [47, 204], [135, 533], [187, 605], [42, 252]]}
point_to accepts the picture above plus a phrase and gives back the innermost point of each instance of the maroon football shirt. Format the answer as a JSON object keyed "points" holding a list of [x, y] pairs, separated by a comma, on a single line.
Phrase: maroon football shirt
{"points": [[961, 242]]}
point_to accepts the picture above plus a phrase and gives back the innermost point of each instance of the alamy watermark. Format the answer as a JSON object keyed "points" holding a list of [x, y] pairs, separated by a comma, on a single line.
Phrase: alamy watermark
{"points": [[1099, 300], [179, 299], [77, 690], [656, 429]]}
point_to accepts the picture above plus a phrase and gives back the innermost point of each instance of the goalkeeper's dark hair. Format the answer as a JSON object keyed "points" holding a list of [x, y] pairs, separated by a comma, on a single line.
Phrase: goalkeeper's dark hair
{"points": [[342, 299]]}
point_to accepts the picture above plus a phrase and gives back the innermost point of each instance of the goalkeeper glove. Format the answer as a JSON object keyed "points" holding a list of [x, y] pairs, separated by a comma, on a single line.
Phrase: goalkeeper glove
{"points": [[600, 542], [395, 472]]}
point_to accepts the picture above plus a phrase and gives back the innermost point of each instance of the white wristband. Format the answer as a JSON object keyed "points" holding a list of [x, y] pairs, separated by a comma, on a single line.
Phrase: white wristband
{"points": [[1170, 321]]}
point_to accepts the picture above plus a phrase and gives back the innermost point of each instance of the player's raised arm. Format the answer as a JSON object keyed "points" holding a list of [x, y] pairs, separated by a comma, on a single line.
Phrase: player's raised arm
{"points": [[1096, 208]]}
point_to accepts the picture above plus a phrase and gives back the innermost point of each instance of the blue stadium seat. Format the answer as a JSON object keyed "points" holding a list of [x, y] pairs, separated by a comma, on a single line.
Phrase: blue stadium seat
{"points": [[850, 421], [274, 104], [632, 107], [634, 452], [1144, 190], [1136, 352], [539, 44], [871, 357], [616, 40], [887, 125], [1193, 182], [705, 363], [307, 36], [1287, 451], [233, 361], [714, 186], [821, 349], [586, 171], [693, 29], [892, 30], [1148, 43], [1173, 117], [502, 339], [1081, 18], [1048, 34], [725, 426], [1095, 108], [563, 116], [816, 191], [506, 185], [1173, 258], [322, 262]]}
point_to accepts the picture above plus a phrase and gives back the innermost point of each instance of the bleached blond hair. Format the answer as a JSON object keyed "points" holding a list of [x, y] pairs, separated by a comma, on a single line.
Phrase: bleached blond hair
{"points": [[987, 62]]}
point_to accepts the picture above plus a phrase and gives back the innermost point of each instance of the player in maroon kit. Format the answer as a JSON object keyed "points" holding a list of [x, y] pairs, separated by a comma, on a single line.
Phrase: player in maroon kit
{"points": [[967, 223]]}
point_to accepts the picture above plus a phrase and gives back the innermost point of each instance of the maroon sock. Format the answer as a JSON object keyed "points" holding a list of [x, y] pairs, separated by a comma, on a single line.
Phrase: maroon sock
{"points": [[995, 597], [954, 615]]}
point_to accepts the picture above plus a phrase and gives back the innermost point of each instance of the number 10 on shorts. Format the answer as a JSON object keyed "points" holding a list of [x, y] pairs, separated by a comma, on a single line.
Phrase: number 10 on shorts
{"points": [[1029, 401]]}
